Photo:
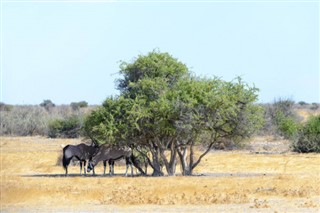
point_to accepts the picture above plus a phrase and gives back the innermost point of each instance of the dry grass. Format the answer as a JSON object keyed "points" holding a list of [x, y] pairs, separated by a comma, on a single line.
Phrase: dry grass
{"points": [[238, 181]]}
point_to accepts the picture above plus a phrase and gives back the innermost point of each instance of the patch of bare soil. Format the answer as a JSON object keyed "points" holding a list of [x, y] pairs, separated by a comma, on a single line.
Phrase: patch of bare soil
{"points": [[233, 181]]}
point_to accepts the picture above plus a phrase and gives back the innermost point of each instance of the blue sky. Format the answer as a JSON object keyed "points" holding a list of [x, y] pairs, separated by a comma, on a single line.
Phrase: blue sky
{"points": [[70, 52]]}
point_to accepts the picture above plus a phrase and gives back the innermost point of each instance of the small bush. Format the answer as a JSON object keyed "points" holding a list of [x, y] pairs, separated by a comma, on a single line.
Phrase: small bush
{"points": [[308, 138], [66, 128], [287, 126]]}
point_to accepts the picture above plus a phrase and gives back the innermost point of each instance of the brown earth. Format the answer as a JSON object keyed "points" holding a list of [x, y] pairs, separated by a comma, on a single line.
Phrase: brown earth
{"points": [[264, 178]]}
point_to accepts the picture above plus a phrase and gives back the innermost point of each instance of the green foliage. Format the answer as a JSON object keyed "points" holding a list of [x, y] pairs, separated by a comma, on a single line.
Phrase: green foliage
{"points": [[67, 128], [288, 126], [308, 139], [150, 75]]}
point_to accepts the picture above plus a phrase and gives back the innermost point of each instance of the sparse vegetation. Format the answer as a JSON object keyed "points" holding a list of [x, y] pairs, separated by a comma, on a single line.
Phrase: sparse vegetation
{"points": [[35, 120], [23, 121]]}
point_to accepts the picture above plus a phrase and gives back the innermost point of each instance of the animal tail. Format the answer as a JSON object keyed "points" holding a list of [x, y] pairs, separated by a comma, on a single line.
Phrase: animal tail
{"points": [[65, 159]]}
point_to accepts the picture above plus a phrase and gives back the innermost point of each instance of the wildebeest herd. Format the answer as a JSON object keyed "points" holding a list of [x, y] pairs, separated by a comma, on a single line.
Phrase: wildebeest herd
{"points": [[106, 153]]}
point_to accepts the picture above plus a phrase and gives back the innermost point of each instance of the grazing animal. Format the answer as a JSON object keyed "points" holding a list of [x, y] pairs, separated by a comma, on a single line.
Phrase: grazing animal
{"points": [[111, 153], [82, 152]]}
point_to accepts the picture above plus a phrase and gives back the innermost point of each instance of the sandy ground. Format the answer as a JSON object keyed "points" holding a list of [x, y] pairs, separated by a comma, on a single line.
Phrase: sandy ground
{"points": [[264, 178]]}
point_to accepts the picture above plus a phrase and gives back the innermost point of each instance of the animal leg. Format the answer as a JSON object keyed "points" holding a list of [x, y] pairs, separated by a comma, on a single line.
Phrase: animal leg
{"points": [[127, 166], [80, 167], [66, 170], [131, 169], [111, 167], [84, 167], [104, 167]]}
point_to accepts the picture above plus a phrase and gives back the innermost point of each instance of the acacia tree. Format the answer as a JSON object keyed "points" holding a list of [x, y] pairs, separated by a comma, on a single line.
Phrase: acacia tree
{"points": [[211, 111], [166, 111]]}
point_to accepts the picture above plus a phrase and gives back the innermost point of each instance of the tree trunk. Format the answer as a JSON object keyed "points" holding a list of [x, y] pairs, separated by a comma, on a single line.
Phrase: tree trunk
{"points": [[171, 164], [156, 163], [183, 159]]}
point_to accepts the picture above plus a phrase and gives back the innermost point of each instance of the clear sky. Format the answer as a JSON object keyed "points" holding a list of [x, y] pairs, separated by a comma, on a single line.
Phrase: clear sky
{"points": [[70, 51]]}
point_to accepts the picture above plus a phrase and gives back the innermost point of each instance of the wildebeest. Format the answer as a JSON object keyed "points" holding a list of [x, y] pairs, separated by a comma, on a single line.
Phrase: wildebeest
{"points": [[111, 152], [82, 152]]}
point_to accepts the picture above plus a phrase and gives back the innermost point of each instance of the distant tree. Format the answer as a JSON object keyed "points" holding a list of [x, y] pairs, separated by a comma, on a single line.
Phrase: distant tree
{"points": [[47, 104], [5, 107], [78, 105], [302, 103]]}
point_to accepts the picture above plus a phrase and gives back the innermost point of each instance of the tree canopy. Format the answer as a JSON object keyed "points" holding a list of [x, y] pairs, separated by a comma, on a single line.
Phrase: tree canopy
{"points": [[164, 111]]}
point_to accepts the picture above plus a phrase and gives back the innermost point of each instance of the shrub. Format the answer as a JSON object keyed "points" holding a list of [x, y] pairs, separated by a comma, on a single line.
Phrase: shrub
{"points": [[54, 128], [288, 127], [308, 138], [280, 119], [67, 128]]}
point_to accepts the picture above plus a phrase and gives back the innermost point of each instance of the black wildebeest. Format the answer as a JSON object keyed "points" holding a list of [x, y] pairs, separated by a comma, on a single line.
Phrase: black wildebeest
{"points": [[111, 152], [82, 152]]}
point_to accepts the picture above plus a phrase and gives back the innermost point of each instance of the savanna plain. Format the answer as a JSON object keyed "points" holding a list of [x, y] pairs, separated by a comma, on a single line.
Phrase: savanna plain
{"points": [[266, 177]]}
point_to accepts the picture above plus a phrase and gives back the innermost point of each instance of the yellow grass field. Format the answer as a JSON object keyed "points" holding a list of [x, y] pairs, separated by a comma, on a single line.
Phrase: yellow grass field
{"points": [[233, 181]]}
